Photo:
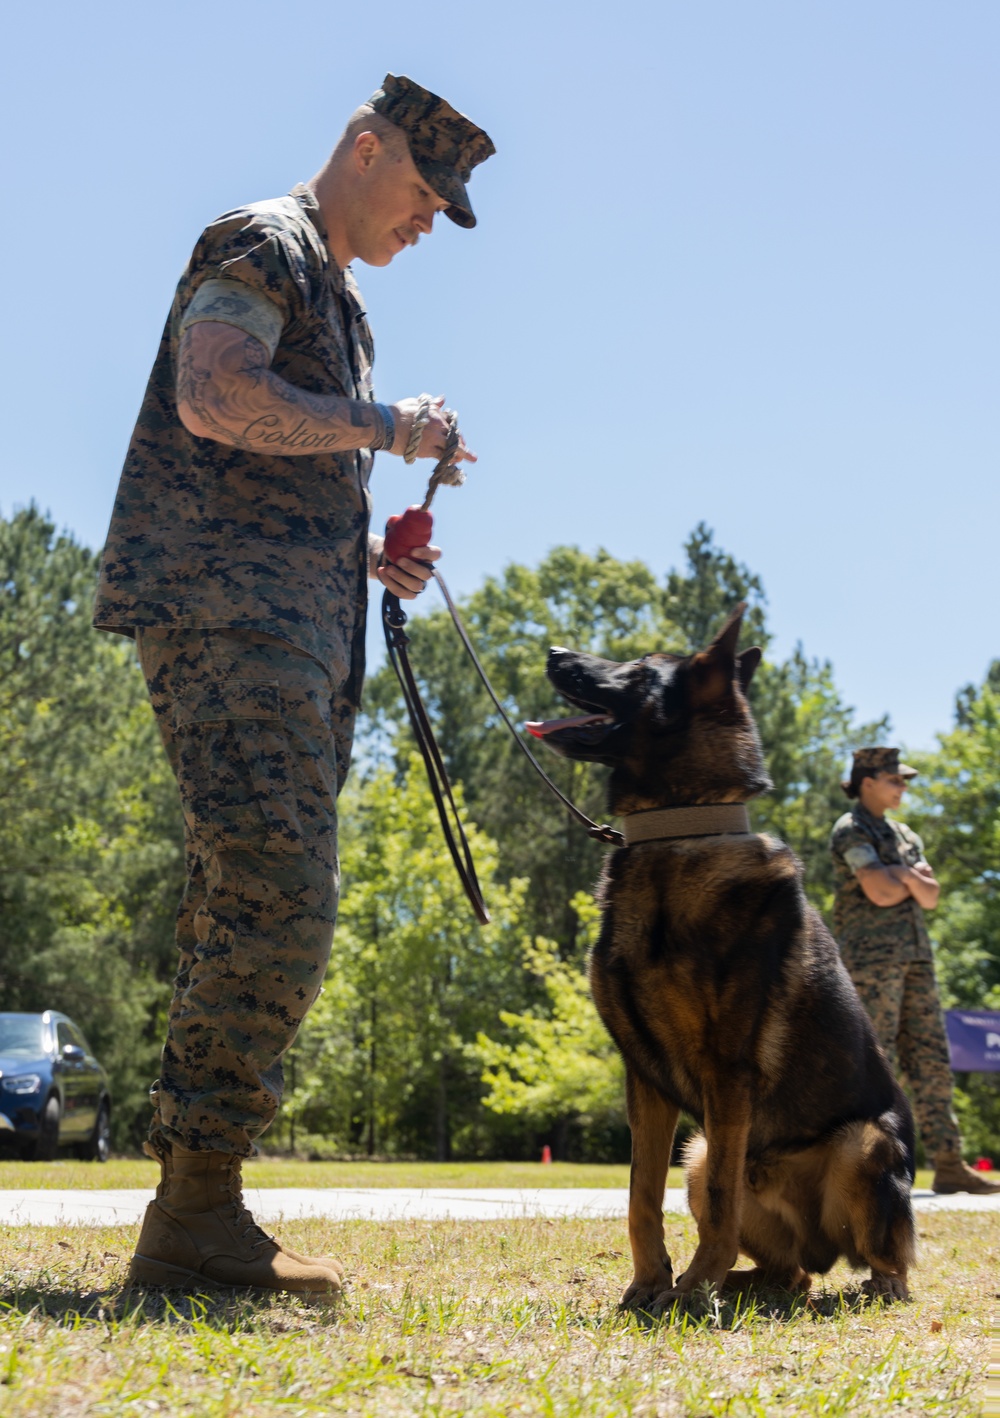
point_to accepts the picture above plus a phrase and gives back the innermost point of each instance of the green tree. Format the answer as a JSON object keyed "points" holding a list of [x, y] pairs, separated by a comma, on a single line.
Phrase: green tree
{"points": [[619, 610], [699, 599], [808, 733], [956, 807], [551, 1064], [593, 603], [382, 1063], [558, 1065], [91, 851], [90, 834]]}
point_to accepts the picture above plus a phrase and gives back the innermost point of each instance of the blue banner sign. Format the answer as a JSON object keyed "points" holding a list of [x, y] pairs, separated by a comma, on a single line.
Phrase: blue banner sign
{"points": [[974, 1039]]}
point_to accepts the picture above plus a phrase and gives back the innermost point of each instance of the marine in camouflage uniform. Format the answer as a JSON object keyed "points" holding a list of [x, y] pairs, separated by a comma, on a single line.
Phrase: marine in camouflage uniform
{"points": [[238, 557], [887, 952]]}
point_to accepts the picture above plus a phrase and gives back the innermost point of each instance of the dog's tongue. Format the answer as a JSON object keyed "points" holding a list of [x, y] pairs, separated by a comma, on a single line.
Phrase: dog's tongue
{"points": [[540, 727]]}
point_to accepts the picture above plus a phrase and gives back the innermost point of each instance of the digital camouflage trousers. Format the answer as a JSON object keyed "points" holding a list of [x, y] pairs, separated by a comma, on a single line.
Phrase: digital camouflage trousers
{"points": [[903, 1003], [259, 741]]}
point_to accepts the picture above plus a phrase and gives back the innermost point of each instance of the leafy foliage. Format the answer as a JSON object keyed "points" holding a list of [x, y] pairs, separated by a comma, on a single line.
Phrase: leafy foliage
{"points": [[419, 1001], [591, 602], [562, 1060], [958, 813], [382, 1062], [618, 610], [90, 836], [808, 733]]}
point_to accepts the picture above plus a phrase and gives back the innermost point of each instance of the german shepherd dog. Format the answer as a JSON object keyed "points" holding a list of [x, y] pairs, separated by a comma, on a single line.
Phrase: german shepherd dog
{"points": [[726, 996]]}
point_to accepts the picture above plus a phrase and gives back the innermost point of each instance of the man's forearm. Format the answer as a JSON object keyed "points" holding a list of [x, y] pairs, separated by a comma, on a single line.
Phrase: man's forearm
{"points": [[225, 391]]}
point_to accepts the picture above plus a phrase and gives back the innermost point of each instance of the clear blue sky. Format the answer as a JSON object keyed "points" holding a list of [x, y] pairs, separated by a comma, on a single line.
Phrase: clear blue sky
{"points": [[735, 263]]}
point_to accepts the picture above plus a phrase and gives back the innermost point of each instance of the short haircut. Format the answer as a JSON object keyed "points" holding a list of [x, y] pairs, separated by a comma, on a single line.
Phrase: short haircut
{"points": [[366, 120]]}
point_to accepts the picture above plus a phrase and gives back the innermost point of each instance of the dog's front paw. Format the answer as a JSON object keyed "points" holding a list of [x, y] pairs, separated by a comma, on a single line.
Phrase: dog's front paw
{"points": [[644, 1294], [695, 1297], [883, 1286]]}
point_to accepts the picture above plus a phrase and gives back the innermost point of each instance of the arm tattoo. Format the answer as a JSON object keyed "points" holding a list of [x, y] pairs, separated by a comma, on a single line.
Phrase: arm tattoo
{"points": [[223, 379]]}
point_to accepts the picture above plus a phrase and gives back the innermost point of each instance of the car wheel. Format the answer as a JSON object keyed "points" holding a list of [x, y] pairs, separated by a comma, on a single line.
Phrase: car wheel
{"points": [[97, 1148], [47, 1144]]}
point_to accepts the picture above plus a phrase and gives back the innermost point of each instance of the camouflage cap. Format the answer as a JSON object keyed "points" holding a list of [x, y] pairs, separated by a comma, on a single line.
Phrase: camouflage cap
{"points": [[881, 760], [444, 144]]}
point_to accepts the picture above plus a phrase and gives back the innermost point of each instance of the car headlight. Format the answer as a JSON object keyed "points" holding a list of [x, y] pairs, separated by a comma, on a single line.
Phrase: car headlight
{"points": [[21, 1083]]}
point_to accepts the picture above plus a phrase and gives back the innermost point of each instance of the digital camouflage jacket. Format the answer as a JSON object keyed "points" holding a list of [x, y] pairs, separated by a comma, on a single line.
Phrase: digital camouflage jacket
{"points": [[204, 534], [869, 934]]}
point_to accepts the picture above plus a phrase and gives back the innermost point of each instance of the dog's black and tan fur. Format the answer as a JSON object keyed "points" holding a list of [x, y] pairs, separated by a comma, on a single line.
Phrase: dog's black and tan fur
{"points": [[726, 995]]}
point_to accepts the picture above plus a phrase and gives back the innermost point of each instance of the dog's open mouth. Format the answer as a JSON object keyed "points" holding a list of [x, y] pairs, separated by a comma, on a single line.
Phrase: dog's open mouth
{"points": [[593, 699], [596, 724]]}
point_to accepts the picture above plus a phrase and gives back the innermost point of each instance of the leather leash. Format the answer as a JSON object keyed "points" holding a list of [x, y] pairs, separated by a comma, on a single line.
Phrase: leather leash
{"points": [[656, 825], [600, 831], [397, 640], [403, 535]]}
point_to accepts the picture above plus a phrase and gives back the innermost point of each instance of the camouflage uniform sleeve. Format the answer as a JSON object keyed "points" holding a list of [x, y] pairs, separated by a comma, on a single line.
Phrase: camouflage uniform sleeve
{"points": [[861, 857], [234, 303], [246, 272], [850, 844]]}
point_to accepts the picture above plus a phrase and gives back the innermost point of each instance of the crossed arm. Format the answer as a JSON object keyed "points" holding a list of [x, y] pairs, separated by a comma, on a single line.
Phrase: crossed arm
{"points": [[888, 886]]}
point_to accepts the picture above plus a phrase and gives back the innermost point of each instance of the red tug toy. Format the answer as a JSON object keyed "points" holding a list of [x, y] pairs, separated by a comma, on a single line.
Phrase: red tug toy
{"points": [[403, 534]]}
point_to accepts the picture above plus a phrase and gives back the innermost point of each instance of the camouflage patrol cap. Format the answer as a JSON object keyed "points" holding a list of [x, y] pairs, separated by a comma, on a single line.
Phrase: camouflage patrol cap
{"points": [[444, 144], [881, 760]]}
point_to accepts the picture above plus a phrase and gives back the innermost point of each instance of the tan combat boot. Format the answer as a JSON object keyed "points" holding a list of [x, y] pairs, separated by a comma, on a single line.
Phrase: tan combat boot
{"points": [[198, 1232], [160, 1152], [951, 1174]]}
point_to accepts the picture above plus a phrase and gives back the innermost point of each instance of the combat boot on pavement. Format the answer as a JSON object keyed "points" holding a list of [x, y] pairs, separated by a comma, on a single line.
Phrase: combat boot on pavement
{"points": [[198, 1231], [951, 1174]]}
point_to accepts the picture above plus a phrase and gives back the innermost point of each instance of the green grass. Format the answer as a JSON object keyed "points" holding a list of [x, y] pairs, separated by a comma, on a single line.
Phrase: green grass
{"points": [[281, 1172], [491, 1319]]}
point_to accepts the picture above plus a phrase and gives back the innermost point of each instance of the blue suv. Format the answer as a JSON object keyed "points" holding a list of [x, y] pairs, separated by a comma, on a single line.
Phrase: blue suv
{"points": [[53, 1092]]}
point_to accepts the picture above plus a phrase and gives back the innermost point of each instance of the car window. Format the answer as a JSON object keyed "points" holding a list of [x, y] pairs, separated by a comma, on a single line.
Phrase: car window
{"points": [[21, 1036], [70, 1034], [64, 1034]]}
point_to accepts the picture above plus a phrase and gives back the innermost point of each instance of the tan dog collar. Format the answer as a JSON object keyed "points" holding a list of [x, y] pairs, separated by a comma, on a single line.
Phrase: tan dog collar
{"points": [[709, 821]]}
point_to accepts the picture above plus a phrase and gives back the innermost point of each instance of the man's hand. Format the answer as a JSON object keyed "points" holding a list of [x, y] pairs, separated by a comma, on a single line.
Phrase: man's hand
{"points": [[434, 436], [409, 577]]}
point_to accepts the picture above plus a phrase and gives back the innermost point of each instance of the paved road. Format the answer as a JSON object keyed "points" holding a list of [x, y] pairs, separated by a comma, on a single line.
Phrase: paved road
{"points": [[119, 1208]]}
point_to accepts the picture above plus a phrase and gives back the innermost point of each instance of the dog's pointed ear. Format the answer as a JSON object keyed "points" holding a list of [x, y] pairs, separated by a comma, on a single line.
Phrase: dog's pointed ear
{"points": [[728, 637], [712, 671], [746, 664]]}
